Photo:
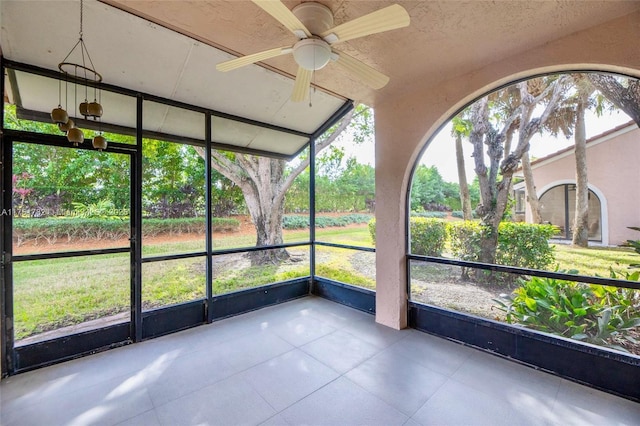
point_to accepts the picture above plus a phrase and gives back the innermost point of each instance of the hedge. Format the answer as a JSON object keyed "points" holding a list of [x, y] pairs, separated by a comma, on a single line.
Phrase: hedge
{"points": [[520, 244], [70, 229], [438, 215], [53, 229], [428, 235], [302, 222], [460, 214]]}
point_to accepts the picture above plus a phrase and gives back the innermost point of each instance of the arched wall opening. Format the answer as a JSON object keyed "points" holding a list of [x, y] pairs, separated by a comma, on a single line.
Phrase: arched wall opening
{"points": [[450, 280], [407, 117]]}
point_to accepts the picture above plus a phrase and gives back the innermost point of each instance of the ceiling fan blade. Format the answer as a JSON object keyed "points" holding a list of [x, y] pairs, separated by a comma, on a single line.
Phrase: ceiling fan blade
{"points": [[302, 85], [252, 59], [388, 18], [362, 71], [282, 14]]}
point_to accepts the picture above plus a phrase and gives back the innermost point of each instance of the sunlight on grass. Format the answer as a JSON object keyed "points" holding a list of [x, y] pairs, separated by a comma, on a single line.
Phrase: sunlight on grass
{"points": [[594, 260], [354, 236], [346, 266], [80, 289], [172, 281], [49, 294]]}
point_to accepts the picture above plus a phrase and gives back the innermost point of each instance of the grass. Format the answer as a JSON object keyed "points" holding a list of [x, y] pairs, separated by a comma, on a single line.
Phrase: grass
{"points": [[99, 286], [49, 294], [45, 291], [341, 265], [594, 260]]}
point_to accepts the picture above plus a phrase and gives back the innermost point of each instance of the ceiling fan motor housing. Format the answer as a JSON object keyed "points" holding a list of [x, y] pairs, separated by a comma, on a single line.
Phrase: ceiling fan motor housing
{"points": [[316, 17]]}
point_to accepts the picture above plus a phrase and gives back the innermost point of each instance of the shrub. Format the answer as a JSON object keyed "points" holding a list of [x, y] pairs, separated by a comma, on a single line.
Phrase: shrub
{"points": [[372, 230], [596, 314], [519, 244], [464, 240], [433, 214], [302, 222], [428, 235], [525, 245], [295, 222], [71, 229]]}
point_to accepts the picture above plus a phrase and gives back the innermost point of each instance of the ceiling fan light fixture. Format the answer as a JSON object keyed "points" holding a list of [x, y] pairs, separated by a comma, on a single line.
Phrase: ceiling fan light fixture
{"points": [[312, 54]]}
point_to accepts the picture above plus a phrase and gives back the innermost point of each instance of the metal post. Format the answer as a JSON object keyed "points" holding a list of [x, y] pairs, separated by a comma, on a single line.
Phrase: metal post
{"points": [[312, 210], [209, 222], [7, 252], [136, 229]]}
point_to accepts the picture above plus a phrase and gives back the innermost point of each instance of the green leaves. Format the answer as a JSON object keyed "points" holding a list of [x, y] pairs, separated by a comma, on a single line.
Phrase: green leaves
{"points": [[531, 303], [519, 244], [635, 244], [602, 315]]}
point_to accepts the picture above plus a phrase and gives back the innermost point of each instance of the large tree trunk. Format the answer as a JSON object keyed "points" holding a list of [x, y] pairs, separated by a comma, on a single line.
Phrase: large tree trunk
{"points": [[532, 196], [465, 198], [265, 201], [264, 185], [581, 220]]}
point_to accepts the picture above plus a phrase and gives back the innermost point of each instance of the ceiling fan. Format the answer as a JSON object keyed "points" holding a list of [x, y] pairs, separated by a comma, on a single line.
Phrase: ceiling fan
{"points": [[312, 23]]}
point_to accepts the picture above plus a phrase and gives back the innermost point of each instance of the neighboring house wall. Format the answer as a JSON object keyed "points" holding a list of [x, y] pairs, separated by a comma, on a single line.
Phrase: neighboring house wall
{"points": [[613, 174]]}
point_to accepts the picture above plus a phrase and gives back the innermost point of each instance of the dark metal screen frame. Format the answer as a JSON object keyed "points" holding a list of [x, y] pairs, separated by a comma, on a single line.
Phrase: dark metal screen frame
{"points": [[70, 346], [140, 320]]}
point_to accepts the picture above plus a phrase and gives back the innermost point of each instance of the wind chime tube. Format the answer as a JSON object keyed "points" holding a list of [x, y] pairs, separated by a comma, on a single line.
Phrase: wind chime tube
{"points": [[75, 135]]}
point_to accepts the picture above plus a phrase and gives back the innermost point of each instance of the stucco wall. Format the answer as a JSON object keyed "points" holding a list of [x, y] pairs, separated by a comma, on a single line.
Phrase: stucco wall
{"points": [[406, 119], [612, 169]]}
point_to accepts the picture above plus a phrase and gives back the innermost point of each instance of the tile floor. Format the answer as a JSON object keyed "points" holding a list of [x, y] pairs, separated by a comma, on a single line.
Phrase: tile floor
{"points": [[309, 361]]}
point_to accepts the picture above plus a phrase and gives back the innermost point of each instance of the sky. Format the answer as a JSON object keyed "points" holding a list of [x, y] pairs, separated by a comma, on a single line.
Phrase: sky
{"points": [[441, 150]]}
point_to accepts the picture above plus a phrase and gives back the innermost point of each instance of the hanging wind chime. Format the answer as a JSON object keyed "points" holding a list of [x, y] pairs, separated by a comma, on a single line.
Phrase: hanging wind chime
{"points": [[86, 74]]}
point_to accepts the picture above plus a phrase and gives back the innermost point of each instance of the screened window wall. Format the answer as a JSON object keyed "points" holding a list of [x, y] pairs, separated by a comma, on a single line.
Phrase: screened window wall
{"points": [[344, 231], [170, 217], [512, 270], [69, 210]]}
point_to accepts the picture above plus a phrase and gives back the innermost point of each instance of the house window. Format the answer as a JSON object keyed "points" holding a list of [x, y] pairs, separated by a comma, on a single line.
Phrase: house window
{"points": [[520, 200], [558, 207]]}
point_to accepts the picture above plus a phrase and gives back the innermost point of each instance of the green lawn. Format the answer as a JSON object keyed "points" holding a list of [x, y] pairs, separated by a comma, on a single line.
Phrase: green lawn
{"points": [[594, 260], [49, 294]]}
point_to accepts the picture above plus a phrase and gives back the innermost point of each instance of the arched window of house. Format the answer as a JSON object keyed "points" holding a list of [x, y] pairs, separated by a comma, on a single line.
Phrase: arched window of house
{"points": [[558, 207]]}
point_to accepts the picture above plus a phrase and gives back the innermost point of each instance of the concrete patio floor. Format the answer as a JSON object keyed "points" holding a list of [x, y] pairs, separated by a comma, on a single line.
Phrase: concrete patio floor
{"points": [[308, 361]]}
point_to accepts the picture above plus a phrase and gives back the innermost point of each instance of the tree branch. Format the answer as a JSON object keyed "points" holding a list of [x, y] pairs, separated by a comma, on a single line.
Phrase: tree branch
{"points": [[625, 98]]}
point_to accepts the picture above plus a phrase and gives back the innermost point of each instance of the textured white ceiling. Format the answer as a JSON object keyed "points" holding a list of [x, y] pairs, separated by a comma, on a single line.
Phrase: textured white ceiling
{"points": [[135, 54]]}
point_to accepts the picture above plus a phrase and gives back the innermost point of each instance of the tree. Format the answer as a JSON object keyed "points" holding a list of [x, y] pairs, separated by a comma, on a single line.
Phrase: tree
{"points": [[580, 235], [427, 189], [462, 128], [357, 184], [264, 183], [624, 93], [495, 179]]}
